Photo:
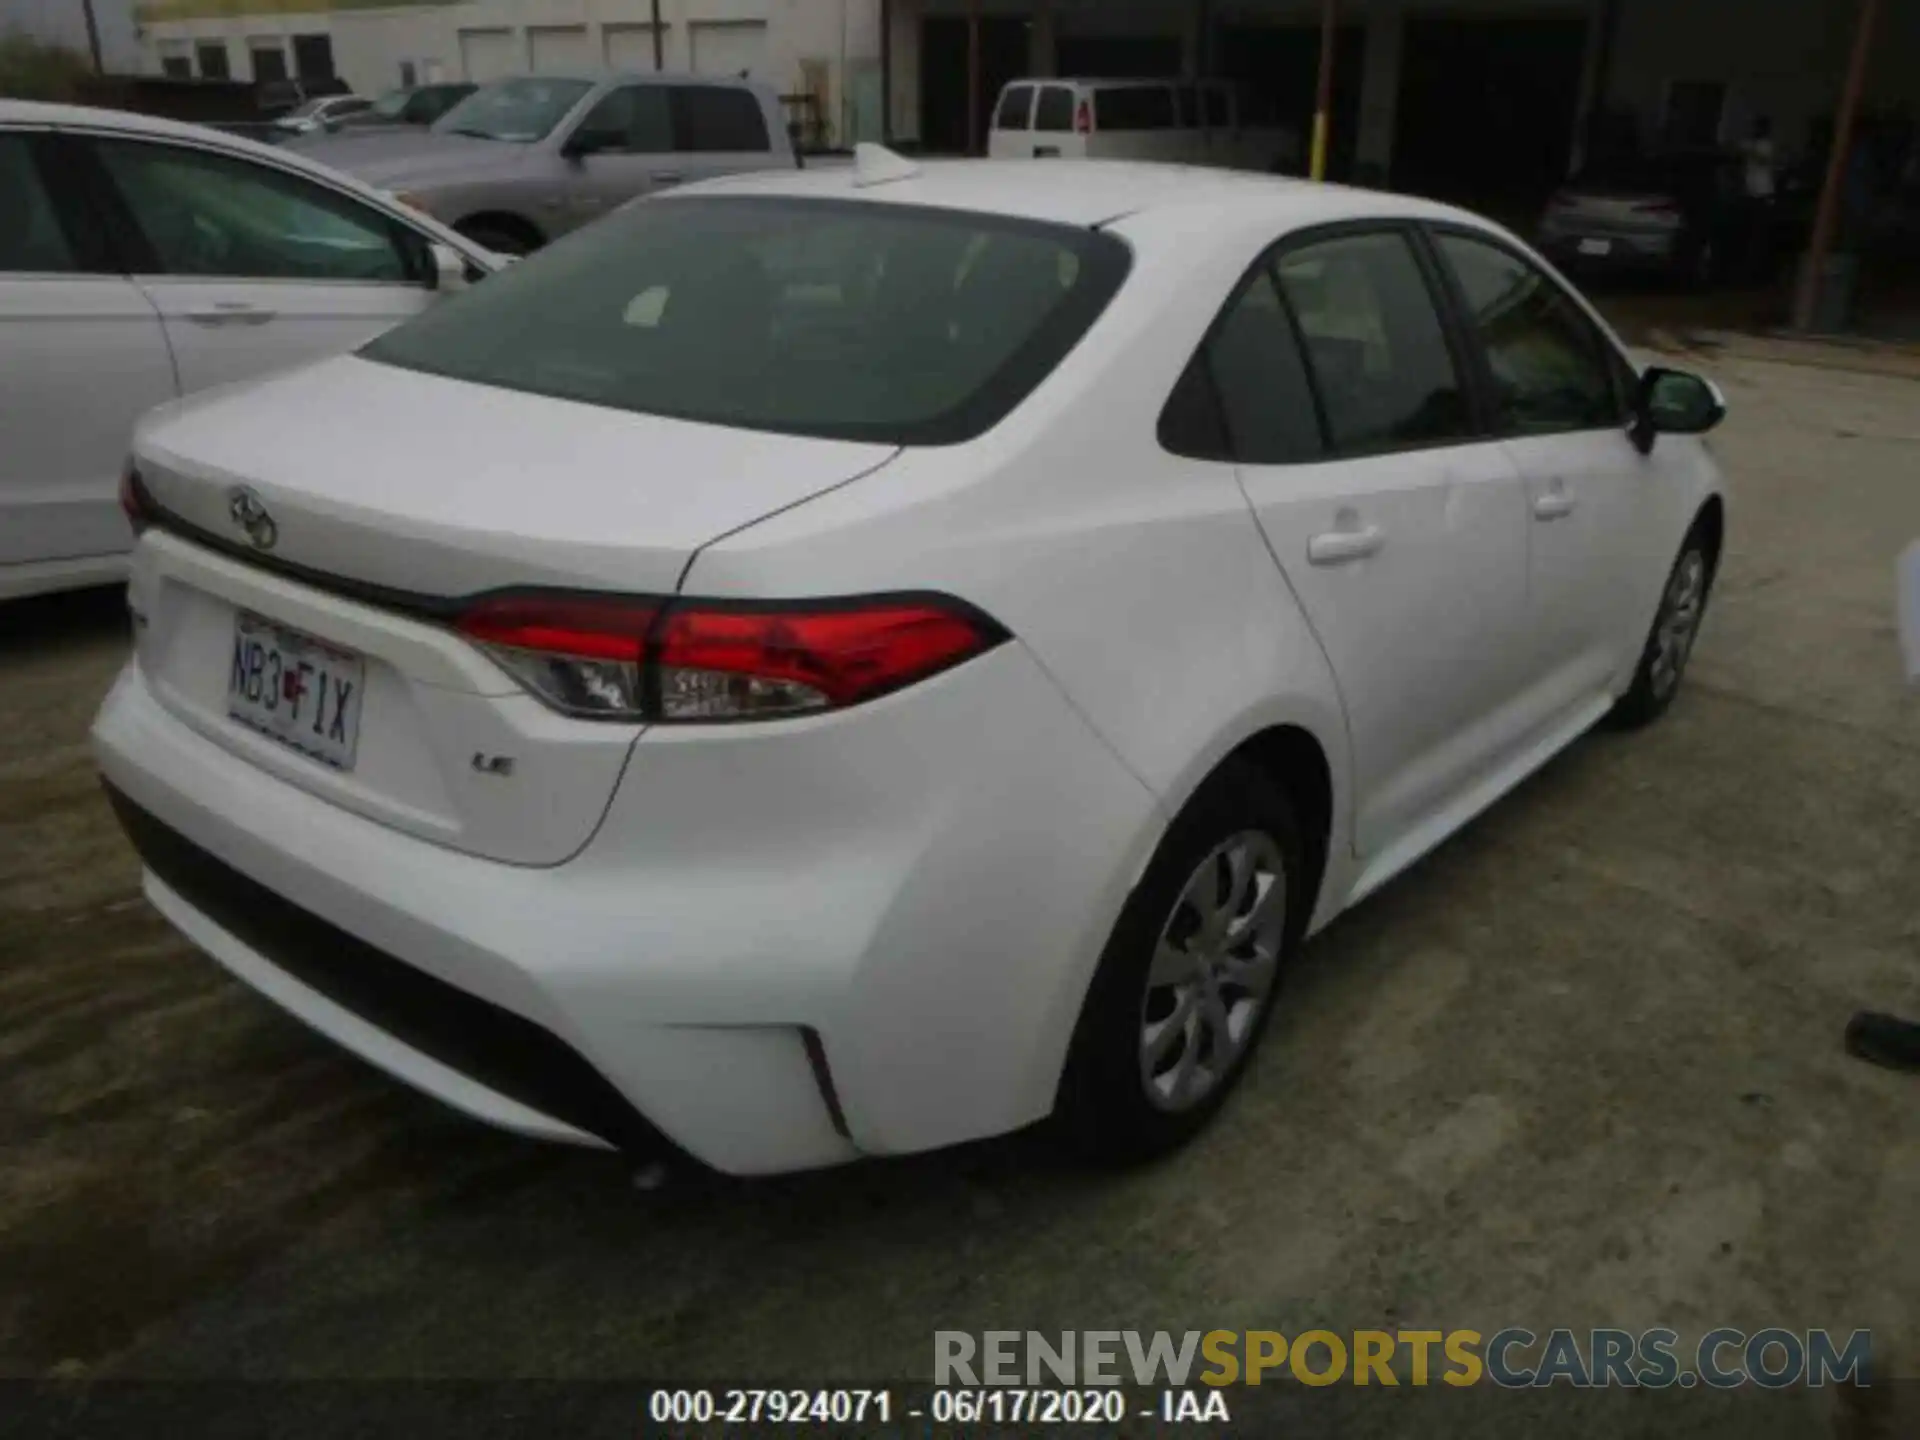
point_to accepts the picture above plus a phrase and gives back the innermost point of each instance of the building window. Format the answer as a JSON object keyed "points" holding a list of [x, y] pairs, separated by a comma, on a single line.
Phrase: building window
{"points": [[176, 62], [409, 77], [269, 61], [313, 57], [1696, 110], [213, 59]]}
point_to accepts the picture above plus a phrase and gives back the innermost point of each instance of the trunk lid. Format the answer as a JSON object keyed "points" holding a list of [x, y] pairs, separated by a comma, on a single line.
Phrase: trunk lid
{"points": [[392, 495]]}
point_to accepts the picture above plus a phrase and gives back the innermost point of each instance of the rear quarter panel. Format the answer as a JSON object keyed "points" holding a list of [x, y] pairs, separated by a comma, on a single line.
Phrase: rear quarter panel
{"points": [[1138, 579]]}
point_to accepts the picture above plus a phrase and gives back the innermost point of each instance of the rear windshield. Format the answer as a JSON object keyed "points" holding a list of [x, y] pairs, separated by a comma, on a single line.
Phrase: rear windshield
{"points": [[834, 318], [1133, 107]]}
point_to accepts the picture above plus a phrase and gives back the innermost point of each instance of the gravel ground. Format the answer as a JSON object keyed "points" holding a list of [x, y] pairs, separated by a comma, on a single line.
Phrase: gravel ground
{"points": [[1582, 1067]]}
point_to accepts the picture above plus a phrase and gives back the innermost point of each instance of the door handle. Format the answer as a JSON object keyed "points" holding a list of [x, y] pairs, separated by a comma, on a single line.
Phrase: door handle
{"points": [[1338, 547], [666, 177], [1555, 504], [231, 312]]}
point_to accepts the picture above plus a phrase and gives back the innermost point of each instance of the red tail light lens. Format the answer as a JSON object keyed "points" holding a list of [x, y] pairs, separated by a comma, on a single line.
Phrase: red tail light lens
{"points": [[1083, 118], [135, 503], [694, 661], [582, 654], [1657, 207]]}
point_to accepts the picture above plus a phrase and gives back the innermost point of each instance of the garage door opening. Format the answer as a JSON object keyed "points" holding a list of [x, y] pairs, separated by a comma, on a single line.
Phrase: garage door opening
{"points": [[1278, 70], [943, 77], [1487, 109]]}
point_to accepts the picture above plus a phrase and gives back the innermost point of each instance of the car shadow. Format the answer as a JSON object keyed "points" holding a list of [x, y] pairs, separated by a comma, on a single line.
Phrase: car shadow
{"points": [[46, 622]]}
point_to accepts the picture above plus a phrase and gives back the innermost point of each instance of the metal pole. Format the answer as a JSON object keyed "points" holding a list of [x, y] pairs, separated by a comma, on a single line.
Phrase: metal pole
{"points": [[659, 41], [1323, 101], [973, 77], [93, 37], [1826, 222], [886, 72]]}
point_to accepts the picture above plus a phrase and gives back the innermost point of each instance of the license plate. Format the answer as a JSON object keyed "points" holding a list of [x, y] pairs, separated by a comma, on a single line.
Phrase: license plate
{"points": [[295, 689], [1596, 247]]}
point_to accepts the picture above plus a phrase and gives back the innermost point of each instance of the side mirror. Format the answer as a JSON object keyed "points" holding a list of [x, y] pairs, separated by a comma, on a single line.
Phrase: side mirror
{"points": [[1674, 402], [449, 268], [584, 142]]}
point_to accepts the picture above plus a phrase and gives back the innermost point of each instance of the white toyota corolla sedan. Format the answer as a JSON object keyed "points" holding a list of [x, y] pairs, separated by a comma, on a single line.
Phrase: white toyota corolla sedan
{"points": [[840, 663]]}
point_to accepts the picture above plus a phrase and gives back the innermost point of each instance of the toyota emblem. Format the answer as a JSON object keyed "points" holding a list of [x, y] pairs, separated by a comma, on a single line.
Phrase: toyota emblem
{"points": [[248, 511]]}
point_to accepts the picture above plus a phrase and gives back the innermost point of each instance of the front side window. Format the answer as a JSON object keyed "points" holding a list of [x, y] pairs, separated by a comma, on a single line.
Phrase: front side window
{"points": [[720, 119], [521, 111], [1054, 111], [31, 238], [633, 120], [1375, 344], [1014, 106], [207, 214], [1133, 107], [1549, 363], [831, 318]]}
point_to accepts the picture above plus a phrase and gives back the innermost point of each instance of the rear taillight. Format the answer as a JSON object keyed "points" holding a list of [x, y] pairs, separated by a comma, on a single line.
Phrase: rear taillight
{"points": [[1663, 208], [640, 659], [1083, 118], [135, 503]]}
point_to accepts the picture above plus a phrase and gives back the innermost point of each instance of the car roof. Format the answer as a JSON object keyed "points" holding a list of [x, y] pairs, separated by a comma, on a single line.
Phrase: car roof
{"points": [[588, 76], [38, 112], [1085, 192]]}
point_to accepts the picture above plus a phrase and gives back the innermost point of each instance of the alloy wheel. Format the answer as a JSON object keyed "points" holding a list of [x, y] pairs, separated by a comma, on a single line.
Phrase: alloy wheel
{"points": [[1679, 623], [1213, 969]]}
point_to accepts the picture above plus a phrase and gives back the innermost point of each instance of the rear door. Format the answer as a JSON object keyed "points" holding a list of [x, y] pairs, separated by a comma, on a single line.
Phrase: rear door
{"points": [[1559, 393], [1012, 135], [253, 268], [1401, 528], [82, 356], [1056, 128]]}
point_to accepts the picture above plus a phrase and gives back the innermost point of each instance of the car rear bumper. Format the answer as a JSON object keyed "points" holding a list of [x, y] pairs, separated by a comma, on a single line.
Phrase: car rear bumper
{"points": [[867, 933], [1576, 252]]}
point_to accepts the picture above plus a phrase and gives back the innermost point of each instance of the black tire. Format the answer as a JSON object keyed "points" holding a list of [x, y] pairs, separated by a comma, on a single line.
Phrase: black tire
{"points": [[1104, 1109], [1652, 692], [500, 237]]}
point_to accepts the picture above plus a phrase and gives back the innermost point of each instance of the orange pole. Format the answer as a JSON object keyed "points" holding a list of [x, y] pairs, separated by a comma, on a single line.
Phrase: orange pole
{"points": [[1826, 222], [1323, 100]]}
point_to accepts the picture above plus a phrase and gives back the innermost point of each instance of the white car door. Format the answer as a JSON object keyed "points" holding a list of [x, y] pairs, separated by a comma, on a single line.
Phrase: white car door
{"points": [[81, 356], [1401, 529], [252, 267], [1600, 519]]}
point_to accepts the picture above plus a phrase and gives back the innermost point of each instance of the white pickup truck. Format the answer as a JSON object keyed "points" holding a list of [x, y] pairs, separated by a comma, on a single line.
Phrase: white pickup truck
{"points": [[1191, 122]]}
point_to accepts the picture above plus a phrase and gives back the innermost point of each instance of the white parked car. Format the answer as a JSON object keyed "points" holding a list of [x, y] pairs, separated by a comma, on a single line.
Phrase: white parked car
{"points": [[839, 663], [1186, 122], [142, 259], [322, 113]]}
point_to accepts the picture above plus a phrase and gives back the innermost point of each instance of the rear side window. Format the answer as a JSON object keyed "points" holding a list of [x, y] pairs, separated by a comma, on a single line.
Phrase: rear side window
{"points": [[1133, 107], [720, 118], [1055, 110], [1014, 108], [1378, 354], [1254, 361], [833, 318]]}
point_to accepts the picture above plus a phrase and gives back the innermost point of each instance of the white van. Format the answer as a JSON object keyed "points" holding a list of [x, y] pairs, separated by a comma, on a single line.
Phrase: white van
{"points": [[1192, 122]]}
